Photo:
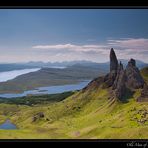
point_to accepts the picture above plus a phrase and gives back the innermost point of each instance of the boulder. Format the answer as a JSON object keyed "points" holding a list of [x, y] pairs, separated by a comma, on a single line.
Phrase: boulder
{"points": [[38, 116]]}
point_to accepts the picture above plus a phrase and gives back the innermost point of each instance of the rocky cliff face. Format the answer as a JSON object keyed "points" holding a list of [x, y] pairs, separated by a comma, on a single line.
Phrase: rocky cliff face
{"points": [[134, 78], [125, 80], [121, 81], [113, 61]]}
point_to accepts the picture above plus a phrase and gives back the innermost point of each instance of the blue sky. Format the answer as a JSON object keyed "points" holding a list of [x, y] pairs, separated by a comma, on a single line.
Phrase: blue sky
{"points": [[72, 34]]}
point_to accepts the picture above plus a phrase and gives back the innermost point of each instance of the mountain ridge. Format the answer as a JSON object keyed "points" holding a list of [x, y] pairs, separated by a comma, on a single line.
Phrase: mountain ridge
{"points": [[40, 64]]}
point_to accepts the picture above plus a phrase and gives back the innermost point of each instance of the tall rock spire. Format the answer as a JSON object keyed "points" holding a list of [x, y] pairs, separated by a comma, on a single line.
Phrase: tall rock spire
{"points": [[113, 61]]}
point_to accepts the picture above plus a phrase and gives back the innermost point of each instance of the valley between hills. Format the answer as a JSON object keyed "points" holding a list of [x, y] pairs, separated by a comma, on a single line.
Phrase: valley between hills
{"points": [[113, 106]]}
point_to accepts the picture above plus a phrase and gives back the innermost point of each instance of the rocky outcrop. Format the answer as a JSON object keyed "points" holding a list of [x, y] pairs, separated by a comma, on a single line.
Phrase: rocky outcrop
{"points": [[120, 86], [38, 116], [119, 75], [113, 61], [109, 79], [123, 82], [134, 78]]}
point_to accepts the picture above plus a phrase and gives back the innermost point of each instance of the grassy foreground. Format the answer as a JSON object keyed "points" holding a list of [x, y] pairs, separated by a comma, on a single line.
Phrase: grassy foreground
{"points": [[83, 115], [87, 115]]}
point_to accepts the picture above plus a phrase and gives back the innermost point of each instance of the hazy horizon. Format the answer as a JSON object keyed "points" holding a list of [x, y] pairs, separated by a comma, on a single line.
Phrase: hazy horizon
{"points": [[57, 35], [66, 61]]}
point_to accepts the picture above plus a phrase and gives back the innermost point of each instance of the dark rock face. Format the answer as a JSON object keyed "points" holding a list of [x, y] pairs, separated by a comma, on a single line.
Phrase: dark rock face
{"points": [[132, 62], [134, 78], [120, 89], [119, 84], [109, 79], [122, 81], [113, 61], [120, 72]]}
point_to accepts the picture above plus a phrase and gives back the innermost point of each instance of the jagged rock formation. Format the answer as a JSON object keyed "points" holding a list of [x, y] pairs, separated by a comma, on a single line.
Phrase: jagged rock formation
{"points": [[134, 78], [121, 81], [119, 84], [110, 78], [113, 61], [125, 81], [120, 73]]}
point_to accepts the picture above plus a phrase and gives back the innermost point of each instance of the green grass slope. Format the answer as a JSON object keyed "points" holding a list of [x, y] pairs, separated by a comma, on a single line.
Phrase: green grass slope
{"points": [[86, 114], [83, 115]]}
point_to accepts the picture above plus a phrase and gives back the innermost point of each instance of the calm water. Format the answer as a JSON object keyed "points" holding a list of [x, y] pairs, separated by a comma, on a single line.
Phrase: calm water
{"points": [[7, 125], [8, 75], [49, 90]]}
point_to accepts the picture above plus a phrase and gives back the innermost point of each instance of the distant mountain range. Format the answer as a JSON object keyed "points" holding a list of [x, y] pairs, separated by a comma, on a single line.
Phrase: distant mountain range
{"points": [[58, 64], [139, 63], [75, 64]]}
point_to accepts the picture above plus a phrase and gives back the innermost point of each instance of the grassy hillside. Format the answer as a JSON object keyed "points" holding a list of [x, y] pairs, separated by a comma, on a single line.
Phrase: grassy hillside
{"points": [[82, 115], [88, 114]]}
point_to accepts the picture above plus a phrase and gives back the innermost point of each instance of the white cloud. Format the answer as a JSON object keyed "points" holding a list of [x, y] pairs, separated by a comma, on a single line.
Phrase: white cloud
{"points": [[72, 47], [125, 48], [131, 48], [130, 43]]}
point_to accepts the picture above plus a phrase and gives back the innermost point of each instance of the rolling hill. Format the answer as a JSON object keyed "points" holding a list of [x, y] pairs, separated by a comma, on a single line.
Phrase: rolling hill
{"points": [[95, 112], [49, 77], [84, 115], [74, 72]]}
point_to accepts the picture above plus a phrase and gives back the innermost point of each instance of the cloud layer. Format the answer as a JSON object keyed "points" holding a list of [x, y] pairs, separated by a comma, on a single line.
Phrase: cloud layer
{"points": [[71, 47], [125, 48]]}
